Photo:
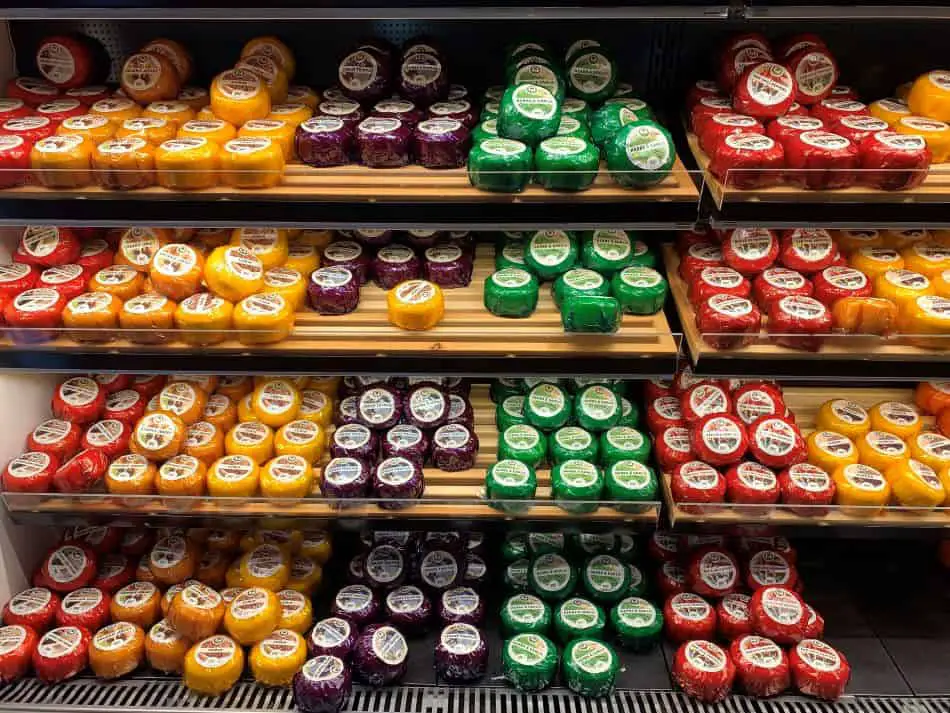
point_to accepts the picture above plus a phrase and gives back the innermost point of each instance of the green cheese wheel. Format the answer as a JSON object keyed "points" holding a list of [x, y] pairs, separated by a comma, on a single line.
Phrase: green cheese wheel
{"points": [[590, 313], [509, 412], [608, 120], [630, 481], [523, 442], [637, 623], [516, 575], [552, 577], [574, 127], [586, 544], [643, 256], [547, 407], [590, 667], [508, 480], [577, 486], [543, 543], [596, 408], [528, 113], [577, 618], [638, 583], [629, 413], [578, 47], [541, 74], [606, 579], [572, 442], [510, 254], [591, 75], [503, 388], [626, 547], [640, 155], [490, 113], [529, 661], [566, 163], [493, 93], [511, 292], [623, 443], [550, 253], [637, 106], [577, 109], [607, 251], [514, 547], [500, 165], [525, 613], [579, 281], [486, 129], [639, 290]]}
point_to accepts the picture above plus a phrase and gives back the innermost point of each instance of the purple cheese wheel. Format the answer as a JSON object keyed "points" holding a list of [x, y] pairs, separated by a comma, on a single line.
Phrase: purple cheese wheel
{"points": [[440, 569], [384, 142], [441, 143], [426, 407], [408, 609], [365, 75], [354, 440], [461, 412], [345, 477], [356, 603], [461, 110], [406, 441], [448, 266], [356, 570], [462, 239], [346, 411], [379, 407], [457, 385], [422, 76], [422, 43], [454, 448], [461, 605], [394, 264], [476, 571], [325, 141], [400, 109], [422, 239], [461, 654], [333, 290], [346, 110], [385, 567], [397, 480], [322, 685], [373, 238], [332, 636], [380, 654], [457, 92], [348, 254]]}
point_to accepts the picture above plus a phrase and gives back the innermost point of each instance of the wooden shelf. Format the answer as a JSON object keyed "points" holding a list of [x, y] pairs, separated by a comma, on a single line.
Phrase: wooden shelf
{"points": [[448, 496], [804, 403]]}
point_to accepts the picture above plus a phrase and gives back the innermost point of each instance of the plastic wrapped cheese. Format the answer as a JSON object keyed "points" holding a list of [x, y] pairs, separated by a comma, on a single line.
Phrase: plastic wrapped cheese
{"points": [[165, 648], [187, 164], [63, 161], [181, 475], [252, 615], [275, 659], [116, 650], [196, 612], [213, 665], [266, 566], [138, 603], [862, 486], [147, 77], [239, 95], [415, 305], [263, 318], [251, 162]]}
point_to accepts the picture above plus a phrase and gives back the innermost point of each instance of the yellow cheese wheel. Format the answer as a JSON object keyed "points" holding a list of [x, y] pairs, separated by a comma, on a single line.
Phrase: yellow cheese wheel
{"points": [[116, 109], [175, 53], [252, 615], [915, 484], [216, 130], [850, 240], [881, 450], [270, 72], [124, 164], [329, 385], [165, 648], [875, 261], [895, 417], [264, 318], [935, 133], [288, 283], [239, 95], [306, 574], [928, 257], [316, 406], [270, 46], [930, 95], [176, 270], [173, 559], [296, 612], [923, 316], [131, 474], [301, 437], [188, 164], [277, 130], [269, 245], [830, 450], [155, 131], [94, 127], [843, 416], [182, 475], [890, 110], [116, 650], [235, 387], [244, 411], [302, 258], [183, 399], [251, 438], [138, 603], [204, 441], [121, 281], [299, 380], [213, 665], [94, 314], [288, 540], [293, 113], [316, 545], [175, 112], [158, 436], [275, 659], [149, 77], [233, 272], [196, 612], [203, 319], [266, 566], [287, 476], [415, 304], [233, 476], [276, 402], [195, 97], [861, 489], [931, 448], [900, 286], [63, 161], [251, 163], [941, 283]]}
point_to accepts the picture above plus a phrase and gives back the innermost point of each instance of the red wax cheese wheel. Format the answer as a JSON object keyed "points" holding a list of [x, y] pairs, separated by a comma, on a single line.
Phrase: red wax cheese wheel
{"points": [[735, 62], [786, 127], [115, 571], [706, 108], [778, 282], [806, 250], [685, 379], [830, 110], [17, 644], [148, 384], [127, 406], [68, 61], [67, 568], [664, 412], [807, 484], [663, 546], [749, 251], [68, 280], [702, 89], [31, 90], [57, 437], [799, 322], [698, 257], [815, 72], [688, 616], [728, 322], [98, 539], [47, 246], [113, 382], [752, 401], [110, 436], [17, 277], [892, 161], [835, 282], [712, 572], [732, 616], [671, 579], [95, 255], [79, 400], [657, 388], [87, 607], [776, 442], [815, 626], [718, 281], [30, 472], [719, 439], [765, 91], [59, 110], [704, 399], [718, 126], [819, 670], [35, 607], [778, 613], [703, 670], [81, 472], [61, 653], [770, 568], [14, 160], [751, 483], [820, 160], [697, 482], [748, 161], [761, 666], [672, 447], [857, 128], [13, 109], [29, 128]]}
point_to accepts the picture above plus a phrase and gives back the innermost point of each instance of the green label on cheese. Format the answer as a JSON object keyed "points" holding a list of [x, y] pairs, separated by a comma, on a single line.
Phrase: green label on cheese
{"points": [[625, 438], [640, 277], [503, 147], [568, 125], [578, 473], [511, 277], [573, 438], [648, 148], [527, 649], [611, 244], [510, 473], [550, 247], [534, 101], [599, 402], [631, 474], [583, 279], [521, 436], [552, 572], [525, 609], [591, 72], [546, 400], [513, 406], [564, 145]]}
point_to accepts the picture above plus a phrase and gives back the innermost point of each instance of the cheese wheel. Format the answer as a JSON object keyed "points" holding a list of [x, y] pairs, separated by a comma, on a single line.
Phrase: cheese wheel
{"points": [[930, 448], [270, 72], [233, 273], [187, 164], [252, 615], [881, 450], [116, 109], [930, 95], [830, 450], [97, 313], [221, 412], [935, 133], [889, 110], [216, 130], [293, 113], [271, 47], [302, 258], [149, 77], [316, 545], [927, 315], [900, 286], [158, 436], [235, 387], [195, 97], [941, 283], [296, 612], [124, 164], [173, 559], [842, 416], [138, 603], [131, 474], [277, 130], [204, 441], [213, 665], [928, 257], [287, 476], [203, 319], [316, 406], [196, 612], [300, 94], [915, 484], [244, 411], [233, 476], [154, 131], [62, 161], [278, 657], [895, 417], [301, 437], [251, 163], [93, 127], [165, 648], [138, 245], [176, 270], [317, 238], [116, 650], [212, 568], [175, 112], [875, 261], [183, 399], [287, 283], [263, 319], [863, 486], [415, 305], [239, 95], [250, 438], [276, 402], [270, 245], [266, 566], [175, 53], [182, 475]]}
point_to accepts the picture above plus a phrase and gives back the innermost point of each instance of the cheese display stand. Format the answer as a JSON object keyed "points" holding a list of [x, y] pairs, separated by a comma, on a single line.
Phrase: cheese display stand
{"points": [[358, 357]]}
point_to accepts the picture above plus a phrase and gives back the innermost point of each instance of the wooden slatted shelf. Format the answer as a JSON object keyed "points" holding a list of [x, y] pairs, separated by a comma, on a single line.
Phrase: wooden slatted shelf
{"points": [[804, 403], [447, 495]]}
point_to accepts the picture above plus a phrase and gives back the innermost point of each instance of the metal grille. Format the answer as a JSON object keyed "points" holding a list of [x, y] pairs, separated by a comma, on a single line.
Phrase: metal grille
{"points": [[167, 695]]}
